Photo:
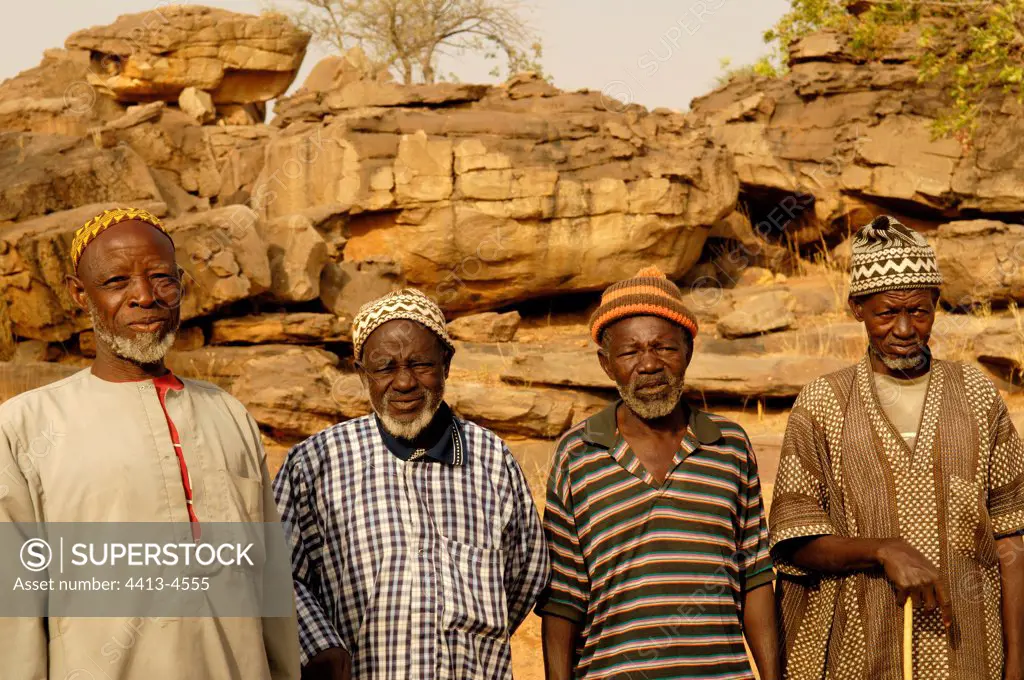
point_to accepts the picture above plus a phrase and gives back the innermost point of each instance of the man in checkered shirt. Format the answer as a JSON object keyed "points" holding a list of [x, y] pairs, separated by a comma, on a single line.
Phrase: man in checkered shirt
{"points": [[416, 547]]}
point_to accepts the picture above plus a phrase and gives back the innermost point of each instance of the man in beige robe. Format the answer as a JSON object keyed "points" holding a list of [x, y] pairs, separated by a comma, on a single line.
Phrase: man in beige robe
{"points": [[901, 476], [126, 441]]}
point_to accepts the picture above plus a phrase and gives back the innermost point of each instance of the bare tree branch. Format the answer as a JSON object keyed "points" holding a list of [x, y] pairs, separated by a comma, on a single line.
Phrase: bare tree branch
{"points": [[409, 36]]}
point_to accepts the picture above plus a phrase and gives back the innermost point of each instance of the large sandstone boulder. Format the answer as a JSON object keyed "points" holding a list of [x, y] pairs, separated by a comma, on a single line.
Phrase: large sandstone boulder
{"points": [[295, 328], [54, 97], [347, 286], [838, 140], [41, 174], [982, 261], [491, 195], [237, 58], [208, 162], [298, 255], [760, 313], [224, 258], [485, 327]]}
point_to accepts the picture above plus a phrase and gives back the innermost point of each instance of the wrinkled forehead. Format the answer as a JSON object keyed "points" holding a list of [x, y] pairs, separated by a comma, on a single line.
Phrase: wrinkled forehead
{"points": [[400, 339]]}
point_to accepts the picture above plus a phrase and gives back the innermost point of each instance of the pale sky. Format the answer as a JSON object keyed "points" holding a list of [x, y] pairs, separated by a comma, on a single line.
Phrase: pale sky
{"points": [[652, 52]]}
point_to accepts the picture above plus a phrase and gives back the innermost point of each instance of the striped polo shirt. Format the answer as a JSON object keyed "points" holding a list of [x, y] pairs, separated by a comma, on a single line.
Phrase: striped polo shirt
{"points": [[655, 575]]}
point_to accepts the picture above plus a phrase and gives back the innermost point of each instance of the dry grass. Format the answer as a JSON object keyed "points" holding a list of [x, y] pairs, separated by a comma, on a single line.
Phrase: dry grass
{"points": [[819, 341]]}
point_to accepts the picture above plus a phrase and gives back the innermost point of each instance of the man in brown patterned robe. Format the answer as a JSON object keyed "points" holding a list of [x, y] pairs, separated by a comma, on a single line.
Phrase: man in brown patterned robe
{"points": [[901, 476]]}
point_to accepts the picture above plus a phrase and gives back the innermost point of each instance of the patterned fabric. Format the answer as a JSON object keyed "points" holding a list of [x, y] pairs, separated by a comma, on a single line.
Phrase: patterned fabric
{"points": [[655, 574], [648, 293], [846, 471], [88, 232], [420, 569], [407, 303], [890, 256]]}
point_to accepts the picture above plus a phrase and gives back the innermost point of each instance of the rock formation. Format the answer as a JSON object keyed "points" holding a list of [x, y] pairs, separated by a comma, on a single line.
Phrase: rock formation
{"points": [[511, 205], [839, 139]]}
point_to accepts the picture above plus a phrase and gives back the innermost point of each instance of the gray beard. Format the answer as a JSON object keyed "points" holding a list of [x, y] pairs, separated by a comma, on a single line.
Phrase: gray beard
{"points": [[903, 363], [650, 409], [143, 349], [411, 429]]}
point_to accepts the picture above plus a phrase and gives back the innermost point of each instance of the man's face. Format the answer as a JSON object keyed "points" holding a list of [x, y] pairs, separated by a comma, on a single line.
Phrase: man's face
{"points": [[129, 283], [404, 367], [899, 324], [647, 357]]}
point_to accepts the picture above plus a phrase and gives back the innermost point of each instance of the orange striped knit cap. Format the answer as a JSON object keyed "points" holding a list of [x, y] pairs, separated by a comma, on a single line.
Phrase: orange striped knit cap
{"points": [[649, 293]]}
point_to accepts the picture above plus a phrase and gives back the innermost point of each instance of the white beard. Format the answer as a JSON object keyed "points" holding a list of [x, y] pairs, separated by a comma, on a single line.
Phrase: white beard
{"points": [[145, 348], [409, 430]]}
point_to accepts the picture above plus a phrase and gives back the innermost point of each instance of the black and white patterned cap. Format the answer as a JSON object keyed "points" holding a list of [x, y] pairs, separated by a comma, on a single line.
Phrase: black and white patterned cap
{"points": [[888, 255], [407, 303]]}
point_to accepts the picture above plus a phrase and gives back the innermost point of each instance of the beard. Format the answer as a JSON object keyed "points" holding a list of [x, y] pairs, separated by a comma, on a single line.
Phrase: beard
{"points": [[142, 349], [650, 408], [408, 429], [907, 363]]}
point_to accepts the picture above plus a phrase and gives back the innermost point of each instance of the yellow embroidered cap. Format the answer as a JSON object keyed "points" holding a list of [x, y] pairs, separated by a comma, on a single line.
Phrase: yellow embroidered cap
{"points": [[88, 232]]}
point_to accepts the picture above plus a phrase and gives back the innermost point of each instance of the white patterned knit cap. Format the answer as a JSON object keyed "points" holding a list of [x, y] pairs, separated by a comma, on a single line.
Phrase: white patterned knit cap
{"points": [[888, 255], [407, 303]]}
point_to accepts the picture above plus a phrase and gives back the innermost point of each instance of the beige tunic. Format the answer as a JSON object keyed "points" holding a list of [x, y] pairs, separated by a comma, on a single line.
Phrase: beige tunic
{"points": [[88, 450], [846, 470]]}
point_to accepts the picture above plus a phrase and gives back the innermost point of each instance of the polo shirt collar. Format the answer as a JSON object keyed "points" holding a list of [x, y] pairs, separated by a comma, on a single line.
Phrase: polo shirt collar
{"points": [[601, 429], [449, 448]]}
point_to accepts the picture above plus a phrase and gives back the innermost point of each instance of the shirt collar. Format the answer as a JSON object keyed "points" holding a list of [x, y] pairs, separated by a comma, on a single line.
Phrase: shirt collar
{"points": [[450, 446], [168, 381], [601, 429]]}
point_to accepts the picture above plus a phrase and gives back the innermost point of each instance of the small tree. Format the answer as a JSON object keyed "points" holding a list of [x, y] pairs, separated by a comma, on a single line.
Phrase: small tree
{"points": [[973, 48], [409, 36]]}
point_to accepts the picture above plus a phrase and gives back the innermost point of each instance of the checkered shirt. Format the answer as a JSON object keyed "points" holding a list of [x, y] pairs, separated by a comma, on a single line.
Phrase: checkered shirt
{"points": [[421, 570]]}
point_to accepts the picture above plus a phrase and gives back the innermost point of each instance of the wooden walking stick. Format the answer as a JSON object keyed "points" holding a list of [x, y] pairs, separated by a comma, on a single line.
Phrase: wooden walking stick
{"points": [[908, 639]]}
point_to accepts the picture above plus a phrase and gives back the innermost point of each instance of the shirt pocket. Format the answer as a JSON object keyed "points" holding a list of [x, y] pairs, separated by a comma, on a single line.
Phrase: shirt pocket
{"points": [[969, 526], [245, 498], [473, 589]]}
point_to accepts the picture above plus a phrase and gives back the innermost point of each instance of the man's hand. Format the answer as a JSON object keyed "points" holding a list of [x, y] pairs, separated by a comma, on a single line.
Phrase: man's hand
{"points": [[330, 664], [914, 576]]}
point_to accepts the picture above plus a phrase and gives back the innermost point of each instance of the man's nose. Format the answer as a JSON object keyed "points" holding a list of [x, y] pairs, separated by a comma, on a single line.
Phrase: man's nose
{"points": [[649, 362], [141, 292], [404, 380], [903, 327]]}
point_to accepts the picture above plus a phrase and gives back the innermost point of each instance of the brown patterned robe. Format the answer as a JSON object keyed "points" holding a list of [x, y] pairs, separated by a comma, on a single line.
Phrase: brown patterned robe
{"points": [[846, 471]]}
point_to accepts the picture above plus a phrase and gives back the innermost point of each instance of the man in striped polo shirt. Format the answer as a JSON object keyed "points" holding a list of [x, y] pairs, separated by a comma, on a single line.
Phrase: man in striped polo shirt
{"points": [[658, 540]]}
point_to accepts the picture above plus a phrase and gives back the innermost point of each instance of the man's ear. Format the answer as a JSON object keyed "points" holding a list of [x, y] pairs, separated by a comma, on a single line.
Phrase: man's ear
{"points": [[857, 307], [448, 355], [605, 361], [77, 291]]}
